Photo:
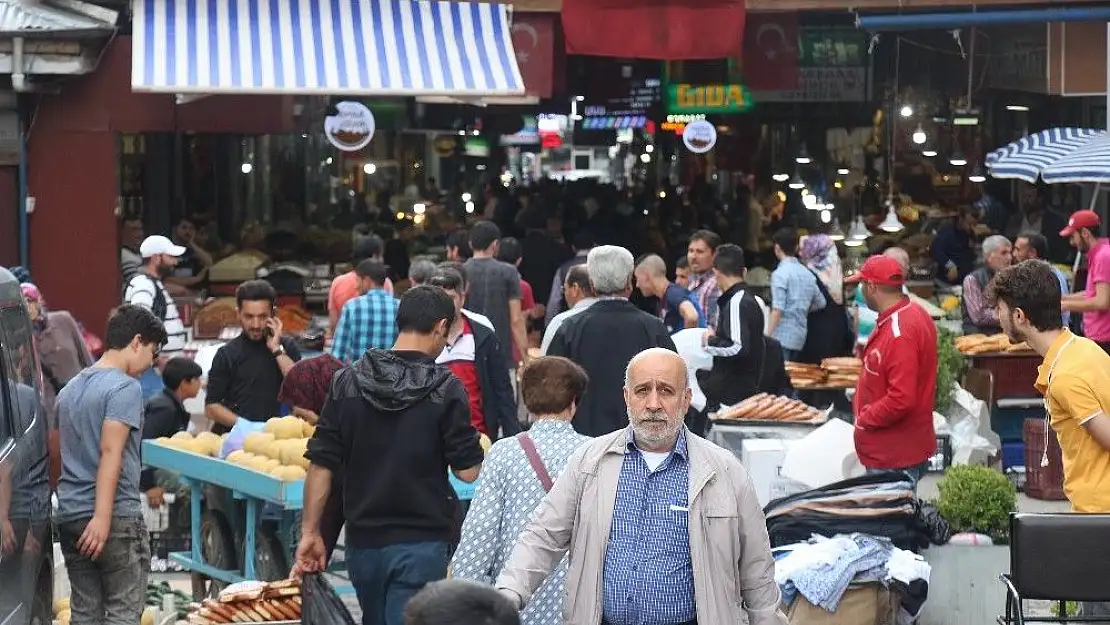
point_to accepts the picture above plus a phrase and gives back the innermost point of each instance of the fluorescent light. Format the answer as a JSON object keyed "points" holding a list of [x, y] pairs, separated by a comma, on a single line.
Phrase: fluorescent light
{"points": [[843, 171], [780, 177], [1017, 108], [929, 152]]}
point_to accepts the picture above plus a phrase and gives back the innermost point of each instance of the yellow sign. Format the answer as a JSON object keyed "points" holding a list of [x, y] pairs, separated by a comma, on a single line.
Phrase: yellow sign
{"points": [[686, 98]]}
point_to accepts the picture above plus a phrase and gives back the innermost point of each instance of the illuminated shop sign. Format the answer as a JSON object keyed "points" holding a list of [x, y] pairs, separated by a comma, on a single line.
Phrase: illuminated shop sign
{"points": [[612, 122], [677, 123], [703, 99]]}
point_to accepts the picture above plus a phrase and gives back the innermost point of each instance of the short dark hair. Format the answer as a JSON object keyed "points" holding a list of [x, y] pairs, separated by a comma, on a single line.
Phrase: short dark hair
{"points": [[129, 321], [787, 240], [422, 307], [509, 251], [449, 279], [460, 240], [583, 240], [483, 234], [180, 370], [579, 276], [455, 265], [1031, 286], [682, 262], [366, 247], [730, 260], [711, 239], [550, 384], [377, 272], [453, 601], [255, 291], [1038, 242]]}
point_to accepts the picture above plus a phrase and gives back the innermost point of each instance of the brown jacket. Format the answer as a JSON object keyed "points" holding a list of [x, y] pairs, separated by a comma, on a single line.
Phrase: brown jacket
{"points": [[734, 573]]}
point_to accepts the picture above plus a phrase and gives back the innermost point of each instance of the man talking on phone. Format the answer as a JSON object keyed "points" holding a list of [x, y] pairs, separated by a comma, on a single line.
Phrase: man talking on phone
{"points": [[247, 372]]}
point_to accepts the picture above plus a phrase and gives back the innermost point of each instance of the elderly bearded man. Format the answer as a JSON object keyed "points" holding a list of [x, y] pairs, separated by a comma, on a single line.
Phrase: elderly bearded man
{"points": [[679, 538]]}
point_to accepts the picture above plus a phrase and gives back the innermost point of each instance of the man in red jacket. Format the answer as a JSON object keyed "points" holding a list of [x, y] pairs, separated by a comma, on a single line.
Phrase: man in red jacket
{"points": [[893, 404]]}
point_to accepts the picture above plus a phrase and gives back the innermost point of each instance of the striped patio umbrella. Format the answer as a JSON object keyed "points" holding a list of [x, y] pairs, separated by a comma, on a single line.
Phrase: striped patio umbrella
{"points": [[1056, 155]]}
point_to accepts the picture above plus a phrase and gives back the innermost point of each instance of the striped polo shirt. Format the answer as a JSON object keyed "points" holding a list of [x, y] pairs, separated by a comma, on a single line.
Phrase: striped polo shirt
{"points": [[140, 292]]}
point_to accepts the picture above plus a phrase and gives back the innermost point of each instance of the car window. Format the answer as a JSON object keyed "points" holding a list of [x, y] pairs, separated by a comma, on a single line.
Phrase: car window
{"points": [[21, 372]]}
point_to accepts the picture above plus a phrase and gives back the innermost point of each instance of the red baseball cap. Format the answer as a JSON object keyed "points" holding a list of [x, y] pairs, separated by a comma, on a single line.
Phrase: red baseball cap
{"points": [[1079, 220], [880, 270]]}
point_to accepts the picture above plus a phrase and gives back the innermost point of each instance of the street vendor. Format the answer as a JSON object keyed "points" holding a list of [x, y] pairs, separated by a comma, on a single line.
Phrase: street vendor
{"points": [[978, 316], [893, 404], [247, 372], [1094, 301]]}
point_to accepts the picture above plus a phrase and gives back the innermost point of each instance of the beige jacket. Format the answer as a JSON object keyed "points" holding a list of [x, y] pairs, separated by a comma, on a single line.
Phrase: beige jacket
{"points": [[734, 573]]}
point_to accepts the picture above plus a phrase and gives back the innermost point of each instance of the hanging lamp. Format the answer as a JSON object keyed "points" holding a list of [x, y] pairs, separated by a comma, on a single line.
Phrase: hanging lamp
{"points": [[977, 175], [858, 230], [803, 156], [797, 182], [835, 232], [891, 223], [957, 159]]}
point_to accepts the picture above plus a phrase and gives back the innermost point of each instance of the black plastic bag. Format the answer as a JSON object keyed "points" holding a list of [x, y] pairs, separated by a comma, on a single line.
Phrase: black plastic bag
{"points": [[931, 524], [321, 605]]}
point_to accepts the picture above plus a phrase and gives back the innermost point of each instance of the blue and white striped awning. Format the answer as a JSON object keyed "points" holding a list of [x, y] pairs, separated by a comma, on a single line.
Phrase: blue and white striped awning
{"points": [[323, 47], [1038, 155]]}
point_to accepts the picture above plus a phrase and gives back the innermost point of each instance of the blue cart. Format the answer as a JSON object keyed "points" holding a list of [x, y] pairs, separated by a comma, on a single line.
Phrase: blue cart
{"points": [[261, 548]]}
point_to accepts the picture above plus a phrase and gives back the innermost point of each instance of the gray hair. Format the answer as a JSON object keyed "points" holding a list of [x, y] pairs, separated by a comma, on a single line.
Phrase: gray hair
{"points": [[610, 269], [994, 243], [657, 351], [900, 255], [421, 271]]}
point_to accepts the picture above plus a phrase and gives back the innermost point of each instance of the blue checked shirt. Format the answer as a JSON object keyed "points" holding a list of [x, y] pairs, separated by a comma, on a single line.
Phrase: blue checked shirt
{"points": [[794, 292], [368, 321], [649, 578]]}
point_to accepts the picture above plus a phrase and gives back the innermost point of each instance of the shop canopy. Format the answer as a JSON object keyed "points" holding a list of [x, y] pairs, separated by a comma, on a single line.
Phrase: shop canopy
{"points": [[1055, 155], [324, 47]]}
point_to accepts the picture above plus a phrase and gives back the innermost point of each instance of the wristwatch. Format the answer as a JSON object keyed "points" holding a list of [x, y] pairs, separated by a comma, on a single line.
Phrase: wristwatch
{"points": [[280, 351]]}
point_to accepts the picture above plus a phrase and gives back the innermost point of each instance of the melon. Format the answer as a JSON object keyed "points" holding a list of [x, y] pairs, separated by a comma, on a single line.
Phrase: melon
{"points": [[255, 442]]}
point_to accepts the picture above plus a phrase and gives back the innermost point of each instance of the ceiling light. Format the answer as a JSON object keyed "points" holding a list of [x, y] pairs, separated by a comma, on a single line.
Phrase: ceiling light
{"points": [[797, 182], [662, 194], [853, 242], [418, 219], [1017, 108], [843, 171], [780, 177], [470, 207], [977, 175], [803, 156], [835, 233], [891, 223], [858, 231], [646, 158], [919, 135], [810, 202], [826, 216], [466, 197], [957, 159], [907, 111], [928, 152], [246, 168], [400, 214], [419, 208], [369, 168], [649, 148]]}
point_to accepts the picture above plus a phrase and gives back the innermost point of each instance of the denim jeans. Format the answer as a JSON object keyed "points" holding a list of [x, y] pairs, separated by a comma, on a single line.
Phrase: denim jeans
{"points": [[110, 590], [387, 577]]}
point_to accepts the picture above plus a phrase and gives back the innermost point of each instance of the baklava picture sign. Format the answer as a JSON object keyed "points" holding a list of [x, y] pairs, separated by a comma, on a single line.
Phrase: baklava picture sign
{"points": [[699, 136], [351, 128]]}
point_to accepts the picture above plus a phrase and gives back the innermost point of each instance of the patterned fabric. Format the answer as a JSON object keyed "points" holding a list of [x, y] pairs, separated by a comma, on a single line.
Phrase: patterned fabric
{"points": [[794, 293], [828, 573], [508, 494], [306, 384], [367, 322], [704, 287], [819, 254], [649, 577]]}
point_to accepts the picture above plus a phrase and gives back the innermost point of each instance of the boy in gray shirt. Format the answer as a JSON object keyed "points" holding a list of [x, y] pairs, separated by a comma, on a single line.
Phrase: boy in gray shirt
{"points": [[100, 518]]}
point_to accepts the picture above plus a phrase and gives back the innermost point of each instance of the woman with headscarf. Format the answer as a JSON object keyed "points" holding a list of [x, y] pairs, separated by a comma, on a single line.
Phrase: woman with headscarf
{"points": [[60, 345], [305, 389], [818, 252]]}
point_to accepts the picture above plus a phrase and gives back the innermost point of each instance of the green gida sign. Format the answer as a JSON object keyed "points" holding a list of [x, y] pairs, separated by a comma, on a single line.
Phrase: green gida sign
{"points": [[685, 98]]}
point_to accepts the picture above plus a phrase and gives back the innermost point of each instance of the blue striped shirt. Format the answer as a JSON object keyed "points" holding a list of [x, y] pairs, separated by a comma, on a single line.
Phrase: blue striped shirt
{"points": [[648, 576], [368, 321], [794, 293]]}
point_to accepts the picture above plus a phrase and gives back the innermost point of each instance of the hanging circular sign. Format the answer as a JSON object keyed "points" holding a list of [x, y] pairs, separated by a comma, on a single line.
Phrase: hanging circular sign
{"points": [[699, 136], [351, 128]]}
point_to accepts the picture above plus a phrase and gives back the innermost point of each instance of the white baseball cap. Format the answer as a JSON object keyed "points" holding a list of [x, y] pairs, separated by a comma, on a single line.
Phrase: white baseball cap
{"points": [[158, 244]]}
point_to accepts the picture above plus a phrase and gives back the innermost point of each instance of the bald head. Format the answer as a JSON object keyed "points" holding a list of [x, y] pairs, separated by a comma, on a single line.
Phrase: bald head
{"points": [[900, 255], [652, 266], [657, 394], [657, 359]]}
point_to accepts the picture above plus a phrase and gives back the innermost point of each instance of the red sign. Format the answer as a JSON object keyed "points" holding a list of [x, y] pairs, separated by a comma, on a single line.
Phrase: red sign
{"points": [[667, 30], [771, 52], [534, 42]]}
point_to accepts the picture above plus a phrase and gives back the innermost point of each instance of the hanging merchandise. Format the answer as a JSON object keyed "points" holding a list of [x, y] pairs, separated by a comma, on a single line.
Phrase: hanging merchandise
{"points": [[351, 128], [700, 136]]}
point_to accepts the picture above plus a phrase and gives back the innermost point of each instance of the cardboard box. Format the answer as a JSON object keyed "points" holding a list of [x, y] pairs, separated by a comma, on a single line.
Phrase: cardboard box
{"points": [[763, 458]]}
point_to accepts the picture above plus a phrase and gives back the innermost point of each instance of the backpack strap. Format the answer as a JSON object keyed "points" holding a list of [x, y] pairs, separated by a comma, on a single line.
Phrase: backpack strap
{"points": [[529, 447]]}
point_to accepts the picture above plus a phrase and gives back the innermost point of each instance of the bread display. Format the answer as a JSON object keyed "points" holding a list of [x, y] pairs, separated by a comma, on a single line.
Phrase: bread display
{"points": [[251, 603], [804, 375], [973, 344], [831, 373], [766, 407]]}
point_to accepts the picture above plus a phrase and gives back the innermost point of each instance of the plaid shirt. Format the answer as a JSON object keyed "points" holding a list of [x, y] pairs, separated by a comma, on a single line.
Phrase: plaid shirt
{"points": [[794, 293], [704, 287], [649, 577], [367, 322]]}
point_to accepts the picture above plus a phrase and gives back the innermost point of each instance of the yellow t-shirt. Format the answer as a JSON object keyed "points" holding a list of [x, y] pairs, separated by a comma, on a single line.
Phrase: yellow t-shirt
{"points": [[1078, 392]]}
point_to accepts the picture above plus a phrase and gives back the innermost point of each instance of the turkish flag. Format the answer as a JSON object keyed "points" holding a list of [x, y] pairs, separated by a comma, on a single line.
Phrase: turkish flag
{"points": [[770, 52], [666, 30], [534, 42]]}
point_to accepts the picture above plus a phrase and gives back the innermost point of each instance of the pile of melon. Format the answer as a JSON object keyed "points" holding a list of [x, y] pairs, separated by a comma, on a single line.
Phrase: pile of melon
{"points": [[205, 443], [277, 450]]}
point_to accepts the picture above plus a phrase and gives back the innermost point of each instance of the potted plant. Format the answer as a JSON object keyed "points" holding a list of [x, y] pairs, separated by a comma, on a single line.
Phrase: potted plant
{"points": [[964, 586]]}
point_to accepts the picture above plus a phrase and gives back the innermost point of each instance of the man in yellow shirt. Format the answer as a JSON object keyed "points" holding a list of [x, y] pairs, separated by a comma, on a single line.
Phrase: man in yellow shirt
{"points": [[1074, 379]]}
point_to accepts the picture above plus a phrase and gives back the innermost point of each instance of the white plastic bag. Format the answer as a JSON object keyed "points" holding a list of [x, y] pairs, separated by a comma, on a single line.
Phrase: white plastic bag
{"points": [[967, 417], [688, 342]]}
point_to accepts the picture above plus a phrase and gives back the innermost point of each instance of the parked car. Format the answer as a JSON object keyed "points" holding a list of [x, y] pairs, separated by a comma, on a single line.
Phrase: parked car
{"points": [[26, 545]]}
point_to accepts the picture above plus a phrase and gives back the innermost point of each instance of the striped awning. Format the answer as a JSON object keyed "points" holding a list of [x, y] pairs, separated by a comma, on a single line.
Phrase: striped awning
{"points": [[324, 47], [1039, 155]]}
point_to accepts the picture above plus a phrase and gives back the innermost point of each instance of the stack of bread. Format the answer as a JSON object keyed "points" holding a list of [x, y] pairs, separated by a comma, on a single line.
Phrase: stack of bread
{"points": [[843, 372], [266, 603], [973, 344], [765, 407], [805, 375]]}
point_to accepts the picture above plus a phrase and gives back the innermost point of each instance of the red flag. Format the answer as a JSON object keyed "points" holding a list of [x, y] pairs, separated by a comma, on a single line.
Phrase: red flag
{"points": [[534, 42], [668, 30], [770, 57]]}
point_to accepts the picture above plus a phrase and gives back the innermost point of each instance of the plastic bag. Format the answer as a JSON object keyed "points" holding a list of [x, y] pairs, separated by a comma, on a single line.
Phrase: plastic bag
{"points": [[321, 605], [966, 417], [930, 523], [238, 434]]}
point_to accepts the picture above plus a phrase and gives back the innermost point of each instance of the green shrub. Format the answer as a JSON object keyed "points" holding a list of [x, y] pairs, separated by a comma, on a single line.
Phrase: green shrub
{"points": [[951, 365], [977, 499]]}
